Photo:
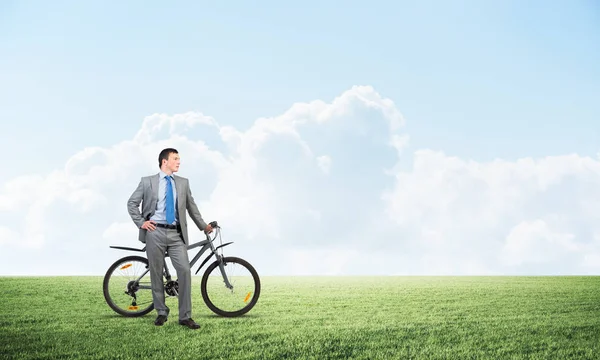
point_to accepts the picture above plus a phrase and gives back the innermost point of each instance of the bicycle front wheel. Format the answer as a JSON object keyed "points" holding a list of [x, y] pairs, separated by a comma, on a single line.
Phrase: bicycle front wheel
{"points": [[125, 290], [235, 301]]}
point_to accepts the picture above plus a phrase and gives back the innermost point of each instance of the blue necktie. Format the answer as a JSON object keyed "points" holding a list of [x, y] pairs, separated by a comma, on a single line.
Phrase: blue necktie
{"points": [[170, 202]]}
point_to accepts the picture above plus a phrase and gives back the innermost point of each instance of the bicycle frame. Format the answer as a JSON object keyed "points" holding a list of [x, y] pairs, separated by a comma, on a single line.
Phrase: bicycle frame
{"points": [[206, 245]]}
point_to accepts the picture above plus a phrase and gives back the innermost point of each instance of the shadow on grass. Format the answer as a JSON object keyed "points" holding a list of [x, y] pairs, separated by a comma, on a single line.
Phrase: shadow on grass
{"points": [[199, 316], [215, 316], [117, 316]]}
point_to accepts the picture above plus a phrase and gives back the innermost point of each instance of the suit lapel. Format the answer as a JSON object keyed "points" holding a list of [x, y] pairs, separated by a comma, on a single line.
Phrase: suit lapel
{"points": [[179, 189]]}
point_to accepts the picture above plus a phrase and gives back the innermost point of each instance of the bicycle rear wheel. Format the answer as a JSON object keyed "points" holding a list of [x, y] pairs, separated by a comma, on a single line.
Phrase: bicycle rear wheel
{"points": [[123, 293], [230, 302]]}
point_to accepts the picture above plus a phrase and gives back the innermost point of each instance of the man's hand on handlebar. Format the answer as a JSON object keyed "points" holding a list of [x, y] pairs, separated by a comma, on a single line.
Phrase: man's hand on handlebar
{"points": [[210, 226]]}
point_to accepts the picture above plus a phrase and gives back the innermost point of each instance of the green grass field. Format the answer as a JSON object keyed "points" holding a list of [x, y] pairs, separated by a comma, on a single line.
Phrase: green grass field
{"points": [[316, 318]]}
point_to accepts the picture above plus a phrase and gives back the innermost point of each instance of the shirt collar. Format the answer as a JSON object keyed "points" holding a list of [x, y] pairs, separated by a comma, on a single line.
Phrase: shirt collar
{"points": [[162, 175]]}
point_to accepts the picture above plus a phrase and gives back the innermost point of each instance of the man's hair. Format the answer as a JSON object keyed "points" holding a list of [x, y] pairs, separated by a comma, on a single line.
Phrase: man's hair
{"points": [[164, 155]]}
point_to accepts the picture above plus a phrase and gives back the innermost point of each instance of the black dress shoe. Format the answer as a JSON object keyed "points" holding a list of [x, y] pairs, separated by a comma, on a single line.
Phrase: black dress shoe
{"points": [[160, 320], [189, 323]]}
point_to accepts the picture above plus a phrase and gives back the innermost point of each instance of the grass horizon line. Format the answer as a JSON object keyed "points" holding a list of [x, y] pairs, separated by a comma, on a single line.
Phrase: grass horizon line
{"points": [[333, 275]]}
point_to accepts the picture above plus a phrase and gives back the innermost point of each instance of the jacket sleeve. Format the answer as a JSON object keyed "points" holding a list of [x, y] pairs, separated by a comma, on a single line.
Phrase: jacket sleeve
{"points": [[133, 205], [192, 209]]}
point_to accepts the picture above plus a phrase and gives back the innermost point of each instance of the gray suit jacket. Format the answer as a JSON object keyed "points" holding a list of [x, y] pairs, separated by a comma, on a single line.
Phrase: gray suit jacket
{"points": [[146, 193]]}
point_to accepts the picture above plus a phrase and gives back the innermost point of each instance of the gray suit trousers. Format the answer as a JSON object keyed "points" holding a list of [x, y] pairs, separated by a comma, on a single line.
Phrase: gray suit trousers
{"points": [[158, 242]]}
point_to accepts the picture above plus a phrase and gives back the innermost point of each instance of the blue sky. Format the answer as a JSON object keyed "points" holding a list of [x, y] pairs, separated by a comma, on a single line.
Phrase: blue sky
{"points": [[466, 76]]}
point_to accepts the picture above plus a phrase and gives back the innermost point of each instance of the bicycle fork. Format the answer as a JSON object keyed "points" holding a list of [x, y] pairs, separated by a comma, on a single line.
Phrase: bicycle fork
{"points": [[222, 268]]}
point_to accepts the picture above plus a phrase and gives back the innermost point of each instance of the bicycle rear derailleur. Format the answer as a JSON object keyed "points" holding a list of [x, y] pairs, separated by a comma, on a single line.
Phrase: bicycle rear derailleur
{"points": [[172, 288]]}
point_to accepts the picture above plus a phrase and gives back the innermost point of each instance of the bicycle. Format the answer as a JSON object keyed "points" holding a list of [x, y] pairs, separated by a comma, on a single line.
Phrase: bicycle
{"points": [[127, 300]]}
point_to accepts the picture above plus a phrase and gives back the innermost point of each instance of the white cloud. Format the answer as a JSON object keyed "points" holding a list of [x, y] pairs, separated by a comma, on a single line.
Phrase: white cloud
{"points": [[535, 242], [524, 216], [116, 232], [7, 235], [316, 190], [324, 163], [320, 261]]}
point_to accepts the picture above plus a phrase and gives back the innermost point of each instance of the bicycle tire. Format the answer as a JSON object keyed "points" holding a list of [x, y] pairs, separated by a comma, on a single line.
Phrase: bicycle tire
{"points": [[246, 308], [105, 283]]}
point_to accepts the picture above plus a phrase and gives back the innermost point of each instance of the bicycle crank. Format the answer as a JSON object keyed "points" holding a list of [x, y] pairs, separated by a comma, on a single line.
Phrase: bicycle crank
{"points": [[172, 288]]}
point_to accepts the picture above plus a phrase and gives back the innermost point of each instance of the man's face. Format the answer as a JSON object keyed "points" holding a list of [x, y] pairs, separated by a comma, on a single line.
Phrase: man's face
{"points": [[173, 162]]}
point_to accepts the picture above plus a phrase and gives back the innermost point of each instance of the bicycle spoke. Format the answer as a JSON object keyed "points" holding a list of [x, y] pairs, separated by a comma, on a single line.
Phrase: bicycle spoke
{"points": [[121, 290], [225, 301]]}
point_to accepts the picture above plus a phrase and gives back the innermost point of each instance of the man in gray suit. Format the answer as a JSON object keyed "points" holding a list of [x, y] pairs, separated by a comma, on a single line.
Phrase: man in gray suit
{"points": [[165, 197]]}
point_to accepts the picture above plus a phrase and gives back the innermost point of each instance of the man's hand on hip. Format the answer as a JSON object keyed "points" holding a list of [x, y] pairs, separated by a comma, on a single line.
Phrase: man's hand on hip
{"points": [[149, 225]]}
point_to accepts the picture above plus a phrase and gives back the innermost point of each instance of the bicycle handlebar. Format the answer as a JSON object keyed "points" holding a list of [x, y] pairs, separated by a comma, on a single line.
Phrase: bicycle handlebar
{"points": [[213, 224]]}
